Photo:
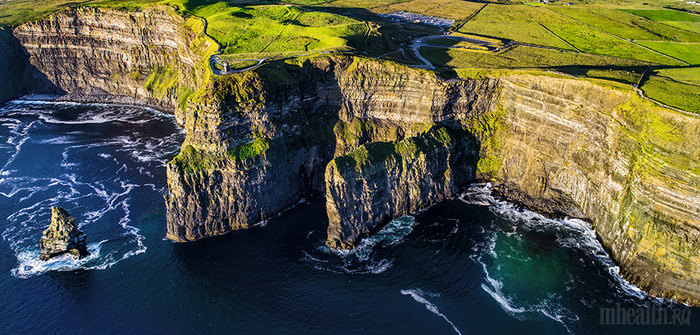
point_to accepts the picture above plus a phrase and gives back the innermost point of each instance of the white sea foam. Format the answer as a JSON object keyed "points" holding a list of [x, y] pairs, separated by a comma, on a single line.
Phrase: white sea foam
{"points": [[108, 196], [392, 234], [574, 233], [362, 259], [579, 234], [417, 295], [30, 264], [39, 102], [493, 286]]}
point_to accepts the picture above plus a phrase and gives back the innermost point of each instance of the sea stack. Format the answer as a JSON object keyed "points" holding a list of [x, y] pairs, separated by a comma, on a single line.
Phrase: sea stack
{"points": [[62, 237]]}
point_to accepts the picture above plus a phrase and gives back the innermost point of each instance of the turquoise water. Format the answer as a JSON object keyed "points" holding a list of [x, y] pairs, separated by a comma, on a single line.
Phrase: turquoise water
{"points": [[474, 265]]}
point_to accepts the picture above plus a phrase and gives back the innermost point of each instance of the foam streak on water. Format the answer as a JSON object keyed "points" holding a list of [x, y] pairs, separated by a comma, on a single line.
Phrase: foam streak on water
{"points": [[574, 234], [582, 234], [417, 295], [363, 258], [83, 157]]}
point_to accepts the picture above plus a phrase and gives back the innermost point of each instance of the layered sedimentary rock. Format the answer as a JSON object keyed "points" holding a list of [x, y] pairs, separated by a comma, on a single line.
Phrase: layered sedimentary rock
{"points": [[62, 237], [274, 138], [381, 181], [258, 142], [583, 150], [150, 56]]}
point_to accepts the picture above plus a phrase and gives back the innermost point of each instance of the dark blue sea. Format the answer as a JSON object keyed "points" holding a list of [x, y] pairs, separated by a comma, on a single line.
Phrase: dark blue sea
{"points": [[472, 265]]}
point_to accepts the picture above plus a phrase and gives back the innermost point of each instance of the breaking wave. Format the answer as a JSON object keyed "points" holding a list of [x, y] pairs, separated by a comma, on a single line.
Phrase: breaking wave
{"points": [[569, 233], [84, 158], [366, 258]]}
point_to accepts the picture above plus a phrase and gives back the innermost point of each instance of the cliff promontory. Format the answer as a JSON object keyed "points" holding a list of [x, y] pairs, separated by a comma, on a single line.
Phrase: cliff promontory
{"points": [[382, 139]]}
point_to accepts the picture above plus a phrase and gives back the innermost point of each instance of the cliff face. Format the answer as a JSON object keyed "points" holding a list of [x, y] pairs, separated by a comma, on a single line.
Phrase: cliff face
{"points": [[573, 148], [152, 56], [267, 143], [258, 142], [381, 181]]}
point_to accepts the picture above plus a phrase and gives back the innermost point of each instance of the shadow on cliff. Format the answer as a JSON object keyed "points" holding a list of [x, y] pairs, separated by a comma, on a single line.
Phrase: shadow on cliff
{"points": [[631, 75], [17, 75]]}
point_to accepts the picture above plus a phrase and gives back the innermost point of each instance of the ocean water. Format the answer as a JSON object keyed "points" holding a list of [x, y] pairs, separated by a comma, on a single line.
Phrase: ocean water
{"points": [[472, 265]]}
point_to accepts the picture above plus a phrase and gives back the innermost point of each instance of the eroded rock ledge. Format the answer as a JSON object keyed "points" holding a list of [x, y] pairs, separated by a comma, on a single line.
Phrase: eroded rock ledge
{"points": [[258, 142]]}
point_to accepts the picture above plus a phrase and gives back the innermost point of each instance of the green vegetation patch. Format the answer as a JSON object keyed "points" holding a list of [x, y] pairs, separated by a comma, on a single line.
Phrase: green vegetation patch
{"points": [[591, 40], [190, 159], [689, 53], [450, 9], [626, 25], [688, 75], [673, 93], [520, 23], [664, 15], [521, 57], [274, 28], [689, 26], [250, 150], [547, 27], [161, 80], [380, 152], [489, 129]]}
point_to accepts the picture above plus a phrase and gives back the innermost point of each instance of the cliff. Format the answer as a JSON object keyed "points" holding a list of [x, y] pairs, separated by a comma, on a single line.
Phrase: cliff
{"points": [[258, 142], [153, 56], [267, 143], [605, 154], [381, 181]]}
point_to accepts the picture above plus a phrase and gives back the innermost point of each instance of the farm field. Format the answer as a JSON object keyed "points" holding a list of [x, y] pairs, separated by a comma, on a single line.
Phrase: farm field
{"points": [[540, 25], [673, 93], [664, 15], [688, 75], [521, 57], [616, 41], [521, 23], [449, 9], [689, 53], [273, 28], [627, 25], [689, 26]]}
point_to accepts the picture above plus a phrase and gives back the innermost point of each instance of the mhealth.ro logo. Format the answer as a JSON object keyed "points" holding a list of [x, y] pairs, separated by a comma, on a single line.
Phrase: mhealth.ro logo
{"points": [[649, 315]]}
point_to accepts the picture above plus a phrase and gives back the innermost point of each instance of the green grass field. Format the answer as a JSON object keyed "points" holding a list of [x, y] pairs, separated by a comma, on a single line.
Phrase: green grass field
{"points": [[522, 57], [688, 75], [596, 41], [627, 25], [689, 26], [520, 23], [673, 93], [664, 15], [449, 9], [541, 25], [689, 53]]}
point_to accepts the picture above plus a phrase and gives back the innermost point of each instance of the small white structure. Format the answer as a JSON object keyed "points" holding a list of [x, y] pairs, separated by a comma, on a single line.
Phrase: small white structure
{"points": [[418, 18]]}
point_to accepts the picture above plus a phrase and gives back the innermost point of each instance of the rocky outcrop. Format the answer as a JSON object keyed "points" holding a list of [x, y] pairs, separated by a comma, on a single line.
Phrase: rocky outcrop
{"points": [[381, 181], [62, 237]]}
